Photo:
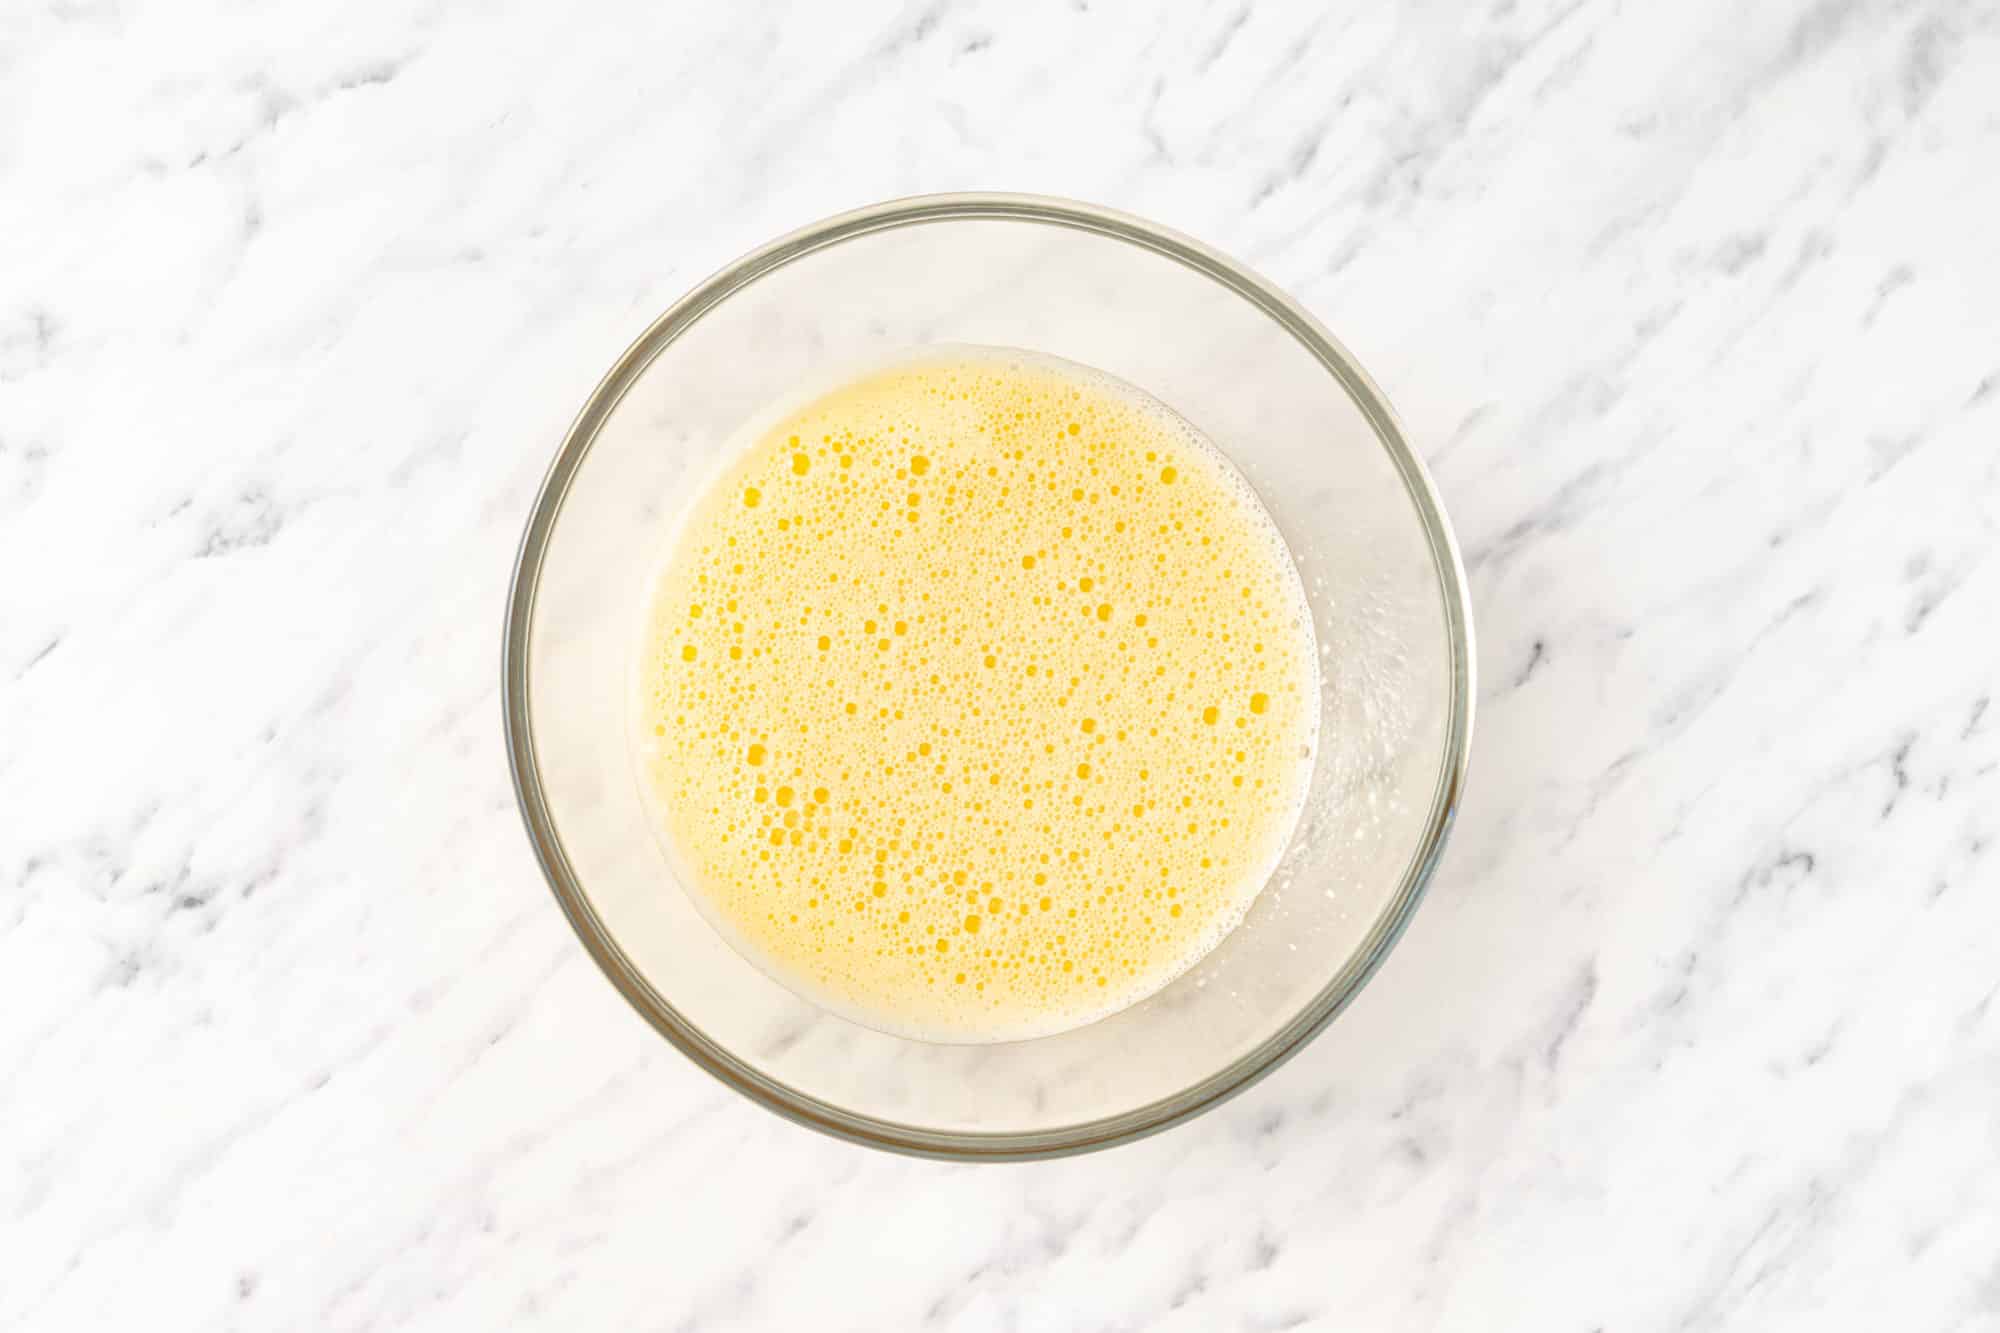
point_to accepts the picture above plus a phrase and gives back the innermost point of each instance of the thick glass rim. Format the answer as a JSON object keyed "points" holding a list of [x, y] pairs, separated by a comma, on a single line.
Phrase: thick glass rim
{"points": [[801, 1107]]}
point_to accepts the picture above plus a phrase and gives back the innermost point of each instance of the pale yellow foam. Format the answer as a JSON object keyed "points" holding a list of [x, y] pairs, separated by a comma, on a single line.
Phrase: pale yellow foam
{"points": [[977, 697]]}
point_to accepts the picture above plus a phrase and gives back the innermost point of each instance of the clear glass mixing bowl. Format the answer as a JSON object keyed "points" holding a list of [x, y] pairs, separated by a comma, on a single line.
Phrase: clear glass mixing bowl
{"points": [[1224, 349]]}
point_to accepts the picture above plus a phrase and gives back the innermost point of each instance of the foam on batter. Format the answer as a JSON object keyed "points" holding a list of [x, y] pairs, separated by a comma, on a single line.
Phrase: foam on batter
{"points": [[976, 698]]}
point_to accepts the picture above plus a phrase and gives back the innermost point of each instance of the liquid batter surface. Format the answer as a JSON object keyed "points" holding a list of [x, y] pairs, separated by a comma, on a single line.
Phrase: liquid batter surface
{"points": [[976, 698]]}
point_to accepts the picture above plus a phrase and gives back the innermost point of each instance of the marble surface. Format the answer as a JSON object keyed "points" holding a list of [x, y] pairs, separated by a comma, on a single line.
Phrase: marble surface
{"points": [[1695, 310]]}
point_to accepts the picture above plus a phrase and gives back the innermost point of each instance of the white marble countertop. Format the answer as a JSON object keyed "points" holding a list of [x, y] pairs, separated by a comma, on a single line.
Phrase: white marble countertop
{"points": [[1694, 310]]}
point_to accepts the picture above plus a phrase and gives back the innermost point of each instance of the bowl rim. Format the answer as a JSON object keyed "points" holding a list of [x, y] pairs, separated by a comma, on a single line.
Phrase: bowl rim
{"points": [[804, 1108]]}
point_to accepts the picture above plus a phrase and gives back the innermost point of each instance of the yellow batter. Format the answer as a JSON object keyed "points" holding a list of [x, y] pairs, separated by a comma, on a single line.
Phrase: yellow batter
{"points": [[977, 697]]}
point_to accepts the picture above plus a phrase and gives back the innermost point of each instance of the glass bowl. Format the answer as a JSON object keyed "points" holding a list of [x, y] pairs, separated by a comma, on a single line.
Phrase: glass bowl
{"points": [[1225, 350]]}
